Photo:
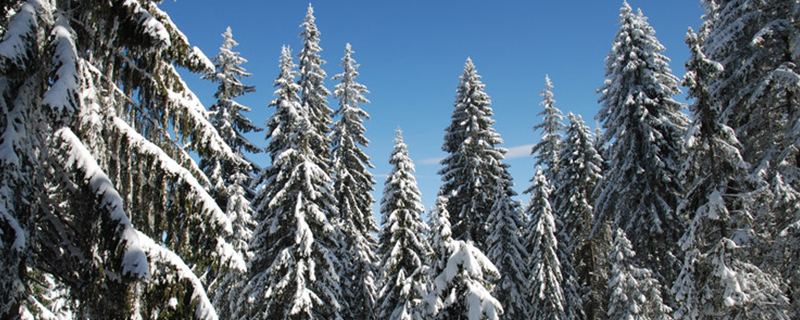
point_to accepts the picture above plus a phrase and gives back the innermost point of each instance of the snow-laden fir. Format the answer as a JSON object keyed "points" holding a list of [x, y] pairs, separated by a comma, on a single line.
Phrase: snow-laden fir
{"points": [[546, 150], [474, 174], [580, 169], [293, 272], [352, 184], [105, 212], [231, 181], [717, 278], [404, 247], [643, 130]]}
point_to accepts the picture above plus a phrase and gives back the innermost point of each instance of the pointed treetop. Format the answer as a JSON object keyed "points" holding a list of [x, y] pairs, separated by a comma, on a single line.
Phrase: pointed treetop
{"points": [[469, 66], [310, 13], [546, 91], [398, 140], [625, 10], [310, 32], [228, 35]]}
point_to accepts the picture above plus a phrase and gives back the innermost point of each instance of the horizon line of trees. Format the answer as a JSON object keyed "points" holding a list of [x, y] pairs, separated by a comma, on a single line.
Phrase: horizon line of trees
{"points": [[105, 213]]}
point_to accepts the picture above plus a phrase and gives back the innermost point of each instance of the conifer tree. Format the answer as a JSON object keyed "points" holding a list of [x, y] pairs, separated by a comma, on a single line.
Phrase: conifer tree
{"points": [[404, 248], [226, 114], [580, 170], [461, 275], [507, 251], [547, 297], [352, 184], [97, 124], [293, 270], [547, 149], [633, 292], [643, 128], [759, 99], [231, 180], [474, 175], [313, 94], [717, 280]]}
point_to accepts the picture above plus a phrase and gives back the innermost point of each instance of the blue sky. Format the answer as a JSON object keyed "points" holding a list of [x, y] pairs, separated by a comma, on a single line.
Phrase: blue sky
{"points": [[412, 52]]}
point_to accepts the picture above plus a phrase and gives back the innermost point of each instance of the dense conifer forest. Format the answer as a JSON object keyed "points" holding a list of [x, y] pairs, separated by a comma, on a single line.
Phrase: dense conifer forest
{"points": [[123, 196]]}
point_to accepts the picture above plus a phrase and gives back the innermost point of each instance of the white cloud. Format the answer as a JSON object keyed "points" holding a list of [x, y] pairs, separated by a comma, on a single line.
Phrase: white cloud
{"points": [[431, 160], [519, 151], [513, 153]]}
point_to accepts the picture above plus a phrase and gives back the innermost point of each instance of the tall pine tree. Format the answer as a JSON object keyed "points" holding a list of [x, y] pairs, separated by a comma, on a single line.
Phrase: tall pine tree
{"points": [[580, 170], [313, 94], [759, 97], [404, 247], [717, 278], [232, 180], [643, 129], [474, 175], [352, 184], [293, 273]]}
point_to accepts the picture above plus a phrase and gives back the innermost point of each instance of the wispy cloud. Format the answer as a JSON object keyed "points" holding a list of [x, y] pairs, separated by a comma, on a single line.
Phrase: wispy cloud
{"points": [[513, 153], [519, 151], [431, 160]]}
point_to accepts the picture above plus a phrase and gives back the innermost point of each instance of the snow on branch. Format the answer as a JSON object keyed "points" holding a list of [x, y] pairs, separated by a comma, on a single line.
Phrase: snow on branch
{"points": [[176, 150], [194, 59], [14, 133], [17, 44], [134, 260], [190, 118], [160, 255], [7, 219], [62, 95], [772, 29], [149, 25], [170, 167]]}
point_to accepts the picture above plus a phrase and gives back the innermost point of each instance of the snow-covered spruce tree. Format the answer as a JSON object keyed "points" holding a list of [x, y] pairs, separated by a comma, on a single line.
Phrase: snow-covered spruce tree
{"points": [[758, 91], [462, 277], [96, 125], [717, 279], [634, 293], [474, 175], [404, 248], [643, 129], [226, 115], [506, 248], [231, 180], [547, 149], [352, 184], [313, 94], [293, 270], [580, 170], [547, 299]]}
